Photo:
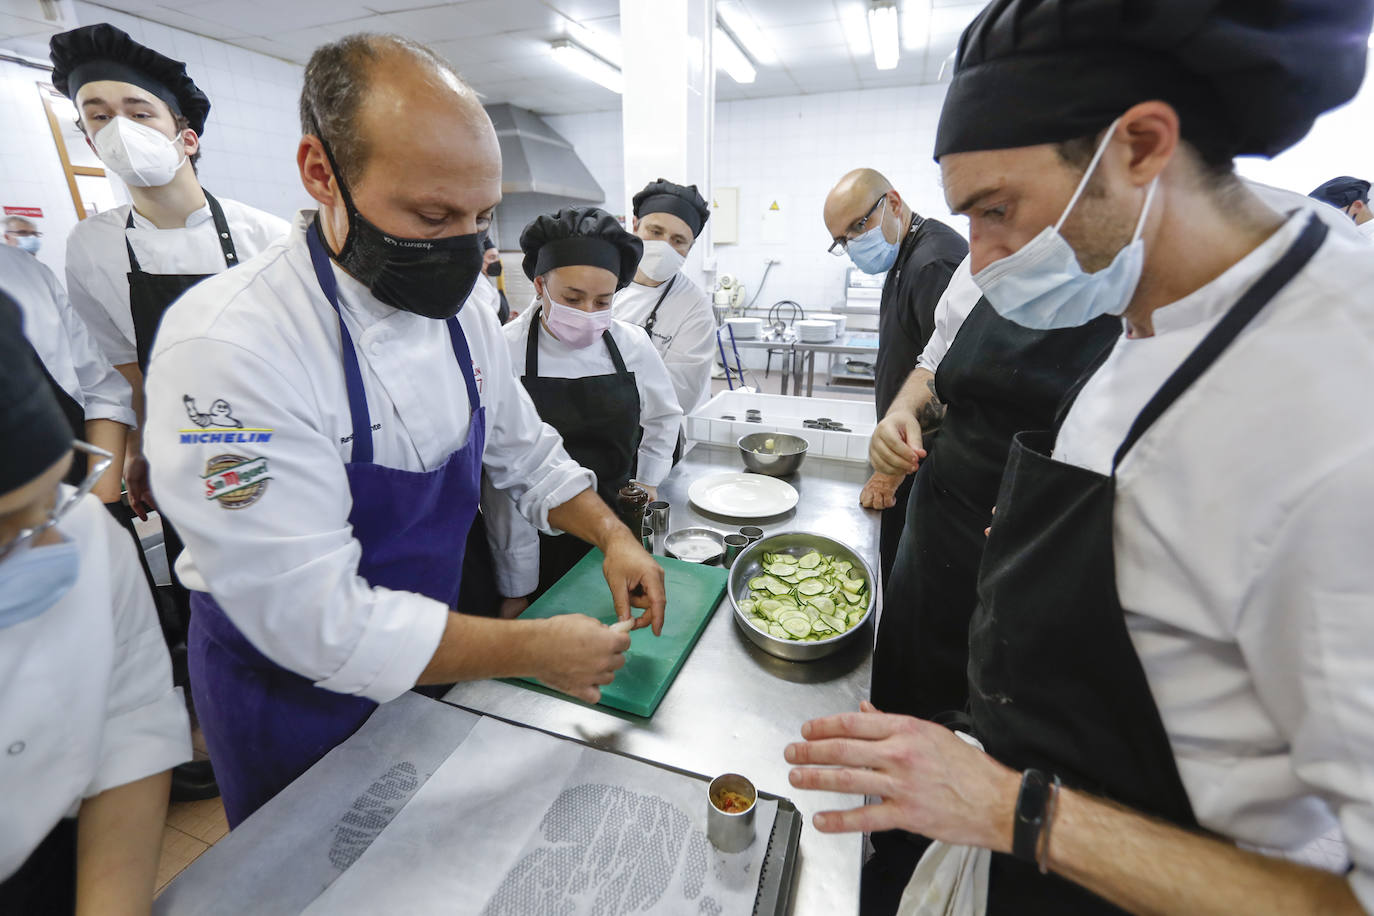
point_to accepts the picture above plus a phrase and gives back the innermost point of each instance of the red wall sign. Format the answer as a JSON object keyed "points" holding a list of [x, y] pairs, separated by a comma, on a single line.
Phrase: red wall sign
{"points": [[31, 212]]}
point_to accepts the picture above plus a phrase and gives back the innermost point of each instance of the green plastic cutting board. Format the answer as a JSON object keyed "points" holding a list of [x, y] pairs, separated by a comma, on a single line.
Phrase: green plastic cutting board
{"points": [[652, 661]]}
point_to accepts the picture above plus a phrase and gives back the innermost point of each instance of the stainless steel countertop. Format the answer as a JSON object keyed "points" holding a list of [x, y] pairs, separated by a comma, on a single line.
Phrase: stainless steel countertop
{"points": [[733, 707]]}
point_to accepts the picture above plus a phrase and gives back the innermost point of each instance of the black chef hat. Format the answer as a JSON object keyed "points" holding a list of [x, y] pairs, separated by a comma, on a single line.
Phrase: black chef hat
{"points": [[103, 52], [34, 429], [682, 201], [1342, 192], [1248, 77], [580, 235]]}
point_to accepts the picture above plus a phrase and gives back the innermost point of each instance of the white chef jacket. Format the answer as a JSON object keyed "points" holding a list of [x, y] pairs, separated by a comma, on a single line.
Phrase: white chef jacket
{"points": [[256, 349], [98, 262], [514, 543], [86, 695], [963, 294], [1242, 534], [59, 337], [684, 333]]}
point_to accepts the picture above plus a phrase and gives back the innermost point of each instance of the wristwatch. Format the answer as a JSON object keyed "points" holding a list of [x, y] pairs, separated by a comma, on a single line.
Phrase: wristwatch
{"points": [[1029, 821]]}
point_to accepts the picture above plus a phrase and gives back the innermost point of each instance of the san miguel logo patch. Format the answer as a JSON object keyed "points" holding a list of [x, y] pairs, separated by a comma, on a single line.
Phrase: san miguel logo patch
{"points": [[234, 481]]}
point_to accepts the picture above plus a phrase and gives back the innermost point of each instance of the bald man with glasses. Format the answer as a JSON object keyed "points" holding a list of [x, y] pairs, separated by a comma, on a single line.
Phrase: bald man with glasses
{"points": [[868, 220]]}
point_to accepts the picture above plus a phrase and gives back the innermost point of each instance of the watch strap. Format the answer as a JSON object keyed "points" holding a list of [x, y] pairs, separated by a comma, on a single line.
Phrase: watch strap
{"points": [[1029, 819]]}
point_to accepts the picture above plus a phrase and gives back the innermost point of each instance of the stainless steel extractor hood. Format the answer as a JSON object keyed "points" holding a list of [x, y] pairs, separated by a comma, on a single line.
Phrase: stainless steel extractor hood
{"points": [[535, 159]]}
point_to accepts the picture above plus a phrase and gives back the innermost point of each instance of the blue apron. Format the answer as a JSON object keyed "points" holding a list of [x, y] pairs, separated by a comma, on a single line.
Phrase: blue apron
{"points": [[265, 725]]}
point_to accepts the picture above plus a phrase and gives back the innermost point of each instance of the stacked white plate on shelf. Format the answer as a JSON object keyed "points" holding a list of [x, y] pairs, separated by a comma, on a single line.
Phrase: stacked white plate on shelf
{"points": [[815, 330], [832, 316], [745, 328]]}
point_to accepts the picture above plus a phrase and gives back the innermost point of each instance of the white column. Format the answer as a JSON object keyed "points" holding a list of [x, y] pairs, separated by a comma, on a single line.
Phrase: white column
{"points": [[668, 108]]}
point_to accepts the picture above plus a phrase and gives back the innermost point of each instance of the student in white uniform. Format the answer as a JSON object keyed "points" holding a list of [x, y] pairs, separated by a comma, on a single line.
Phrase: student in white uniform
{"points": [[94, 397], [144, 117], [598, 381], [1169, 668], [345, 392], [90, 723], [671, 308]]}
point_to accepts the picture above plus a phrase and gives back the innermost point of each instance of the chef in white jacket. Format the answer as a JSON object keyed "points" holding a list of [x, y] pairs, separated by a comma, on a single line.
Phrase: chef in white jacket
{"points": [[96, 399], [1169, 666], [90, 723], [674, 311], [598, 381], [145, 118], [319, 421]]}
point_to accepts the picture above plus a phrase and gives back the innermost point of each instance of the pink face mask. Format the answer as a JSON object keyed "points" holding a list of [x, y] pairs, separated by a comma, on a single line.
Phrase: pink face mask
{"points": [[575, 327]]}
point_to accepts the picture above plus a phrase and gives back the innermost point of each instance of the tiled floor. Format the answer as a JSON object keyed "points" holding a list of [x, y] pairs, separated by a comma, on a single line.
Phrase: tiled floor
{"points": [[192, 828]]}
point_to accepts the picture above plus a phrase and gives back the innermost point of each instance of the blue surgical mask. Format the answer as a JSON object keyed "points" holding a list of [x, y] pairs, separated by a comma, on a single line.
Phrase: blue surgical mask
{"points": [[872, 252], [29, 243], [33, 579], [1042, 285]]}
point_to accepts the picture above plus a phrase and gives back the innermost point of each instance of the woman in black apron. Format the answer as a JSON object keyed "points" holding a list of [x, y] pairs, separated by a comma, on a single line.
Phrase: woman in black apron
{"points": [[581, 256]]}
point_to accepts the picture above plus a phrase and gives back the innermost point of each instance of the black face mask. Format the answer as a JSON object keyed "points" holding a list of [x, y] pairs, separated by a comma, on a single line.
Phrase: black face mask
{"points": [[430, 277], [495, 269]]}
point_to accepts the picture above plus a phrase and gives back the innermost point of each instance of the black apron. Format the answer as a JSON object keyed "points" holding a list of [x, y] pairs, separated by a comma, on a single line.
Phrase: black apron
{"points": [[997, 379], [150, 295], [598, 418], [1054, 679], [76, 419], [45, 885]]}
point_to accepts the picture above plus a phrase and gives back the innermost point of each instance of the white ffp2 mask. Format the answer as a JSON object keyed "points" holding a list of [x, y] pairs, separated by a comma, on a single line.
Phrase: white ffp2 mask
{"points": [[660, 260], [138, 154]]}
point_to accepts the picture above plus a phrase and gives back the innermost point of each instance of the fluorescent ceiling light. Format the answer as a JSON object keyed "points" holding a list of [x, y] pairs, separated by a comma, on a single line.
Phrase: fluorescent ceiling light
{"points": [[883, 29], [606, 47], [586, 64], [748, 35], [731, 59], [855, 23], [915, 24]]}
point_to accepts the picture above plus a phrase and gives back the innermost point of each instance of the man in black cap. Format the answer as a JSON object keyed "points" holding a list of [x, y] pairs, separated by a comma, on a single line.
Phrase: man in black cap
{"points": [[1168, 668], [88, 715], [1351, 196], [674, 311], [144, 117]]}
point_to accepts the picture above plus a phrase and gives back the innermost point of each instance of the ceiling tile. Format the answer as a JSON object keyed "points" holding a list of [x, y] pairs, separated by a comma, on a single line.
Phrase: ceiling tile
{"points": [[583, 10], [473, 19]]}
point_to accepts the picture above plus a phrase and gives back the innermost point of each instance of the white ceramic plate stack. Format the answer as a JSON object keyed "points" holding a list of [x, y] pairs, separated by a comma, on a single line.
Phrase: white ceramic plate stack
{"points": [[832, 316], [815, 330], [745, 328]]}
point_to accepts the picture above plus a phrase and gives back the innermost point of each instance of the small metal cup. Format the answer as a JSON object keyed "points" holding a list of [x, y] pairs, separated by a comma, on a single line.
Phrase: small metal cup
{"points": [[752, 532], [646, 536], [734, 543], [730, 831], [656, 518]]}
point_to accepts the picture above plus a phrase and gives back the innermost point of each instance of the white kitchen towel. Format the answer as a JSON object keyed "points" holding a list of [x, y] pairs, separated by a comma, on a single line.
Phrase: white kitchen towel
{"points": [[949, 880]]}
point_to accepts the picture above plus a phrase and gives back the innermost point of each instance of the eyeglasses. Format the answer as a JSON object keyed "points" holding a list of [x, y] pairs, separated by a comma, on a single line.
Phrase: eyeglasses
{"points": [[24, 233], [840, 246], [29, 535]]}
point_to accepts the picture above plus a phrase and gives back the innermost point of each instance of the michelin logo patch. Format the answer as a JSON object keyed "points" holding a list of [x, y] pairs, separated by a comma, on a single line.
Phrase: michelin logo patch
{"points": [[220, 418], [235, 481]]}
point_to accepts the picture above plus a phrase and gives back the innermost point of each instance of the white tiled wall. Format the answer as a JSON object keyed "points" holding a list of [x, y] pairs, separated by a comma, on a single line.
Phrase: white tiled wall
{"points": [[30, 172], [792, 150], [598, 139], [249, 153]]}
